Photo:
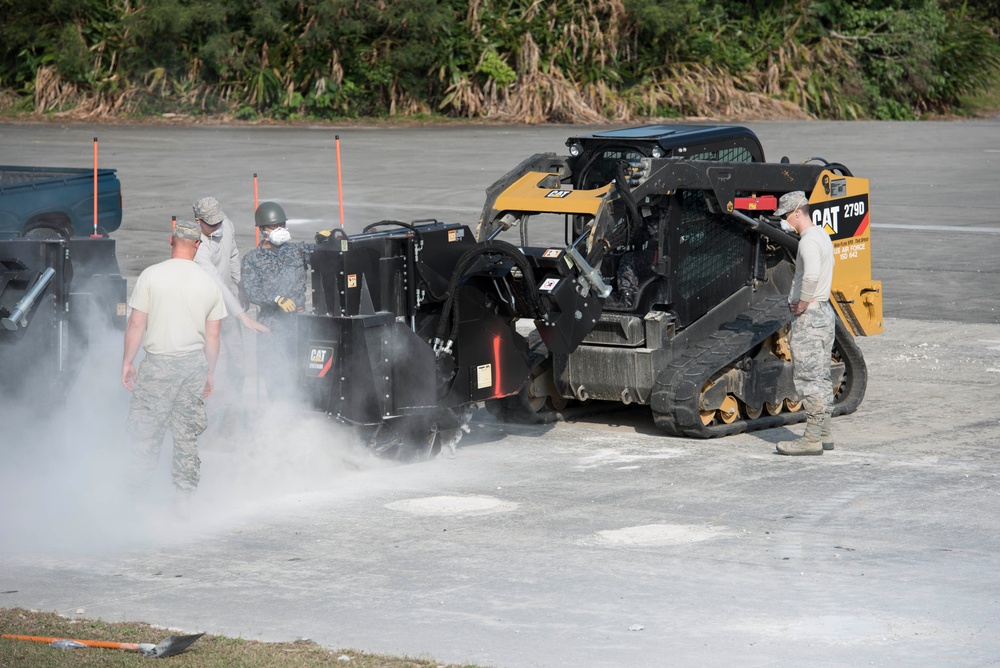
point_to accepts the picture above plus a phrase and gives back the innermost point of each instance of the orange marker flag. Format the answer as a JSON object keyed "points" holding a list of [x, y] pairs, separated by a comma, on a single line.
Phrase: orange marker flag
{"points": [[256, 230], [340, 182], [95, 235]]}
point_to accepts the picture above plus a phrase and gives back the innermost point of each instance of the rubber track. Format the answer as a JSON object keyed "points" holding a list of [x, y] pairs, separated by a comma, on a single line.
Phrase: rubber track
{"points": [[677, 393]]}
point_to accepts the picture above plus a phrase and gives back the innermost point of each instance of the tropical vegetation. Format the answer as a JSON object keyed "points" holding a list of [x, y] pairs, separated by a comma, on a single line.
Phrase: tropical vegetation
{"points": [[509, 60]]}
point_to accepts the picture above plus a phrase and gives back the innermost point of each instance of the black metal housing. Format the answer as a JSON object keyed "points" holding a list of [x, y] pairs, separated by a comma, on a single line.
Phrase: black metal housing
{"points": [[80, 308]]}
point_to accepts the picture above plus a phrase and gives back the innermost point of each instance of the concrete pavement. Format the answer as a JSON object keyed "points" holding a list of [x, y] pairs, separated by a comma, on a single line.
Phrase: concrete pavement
{"points": [[591, 543]]}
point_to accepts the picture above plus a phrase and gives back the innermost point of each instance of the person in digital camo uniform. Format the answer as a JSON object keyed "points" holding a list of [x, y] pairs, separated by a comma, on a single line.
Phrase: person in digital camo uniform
{"points": [[177, 312], [813, 328], [274, 278]]}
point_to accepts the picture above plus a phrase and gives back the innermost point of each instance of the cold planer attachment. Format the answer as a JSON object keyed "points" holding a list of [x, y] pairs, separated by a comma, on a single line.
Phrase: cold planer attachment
{"points": [[414, 323]]}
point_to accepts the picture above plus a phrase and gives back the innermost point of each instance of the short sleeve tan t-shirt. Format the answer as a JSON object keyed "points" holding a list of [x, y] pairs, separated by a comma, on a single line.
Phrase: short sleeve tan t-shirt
{"points": [[178, 296]]}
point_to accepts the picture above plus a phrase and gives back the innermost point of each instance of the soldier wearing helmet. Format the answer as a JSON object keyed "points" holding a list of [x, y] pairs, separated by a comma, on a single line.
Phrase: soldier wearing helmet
{"points": [[274, 278]]}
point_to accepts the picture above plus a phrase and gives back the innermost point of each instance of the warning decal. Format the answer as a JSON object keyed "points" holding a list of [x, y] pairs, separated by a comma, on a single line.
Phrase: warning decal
{"points": [[484, 376]]}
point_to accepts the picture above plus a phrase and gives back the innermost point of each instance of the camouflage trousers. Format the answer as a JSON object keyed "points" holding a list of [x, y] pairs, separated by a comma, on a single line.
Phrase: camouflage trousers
{"points": [[168, 394], [812, 346]]}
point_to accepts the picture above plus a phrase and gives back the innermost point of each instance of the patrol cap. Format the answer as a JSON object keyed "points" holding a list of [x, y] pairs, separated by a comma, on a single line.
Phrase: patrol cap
{"points": [[209, 210], [790, 202], [187, 229]]}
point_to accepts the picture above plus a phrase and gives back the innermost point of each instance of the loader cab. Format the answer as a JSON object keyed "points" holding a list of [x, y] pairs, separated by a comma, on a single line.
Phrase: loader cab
{"points": [[593, 159], [673, 258]]}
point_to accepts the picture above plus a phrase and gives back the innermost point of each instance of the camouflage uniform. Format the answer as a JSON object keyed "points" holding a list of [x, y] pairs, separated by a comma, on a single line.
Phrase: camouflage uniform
{"points": [[634, 266], [177, 300], [812, 346], [814, 326], [168, 393], [269, 273]]}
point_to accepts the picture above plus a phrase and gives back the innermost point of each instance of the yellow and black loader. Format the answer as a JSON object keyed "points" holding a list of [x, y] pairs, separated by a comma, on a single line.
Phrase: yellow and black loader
{"points": [[660, 278]]}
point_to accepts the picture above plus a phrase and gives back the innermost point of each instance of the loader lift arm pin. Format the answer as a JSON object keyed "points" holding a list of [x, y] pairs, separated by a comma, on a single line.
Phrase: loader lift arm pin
{"points": [[587, 272]]}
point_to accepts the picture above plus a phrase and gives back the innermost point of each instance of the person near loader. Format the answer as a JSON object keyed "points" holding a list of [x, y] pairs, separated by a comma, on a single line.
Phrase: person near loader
{"points": [[177, 312], [219, 256], [813, 327], [274, 278]]}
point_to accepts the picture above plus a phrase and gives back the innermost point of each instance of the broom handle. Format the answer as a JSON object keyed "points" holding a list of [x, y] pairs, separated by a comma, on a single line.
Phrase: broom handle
{"points": [[89, 643]]}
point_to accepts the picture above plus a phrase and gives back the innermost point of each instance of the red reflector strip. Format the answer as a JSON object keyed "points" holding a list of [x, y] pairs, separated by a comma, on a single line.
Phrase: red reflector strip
{"points": [[326, 367], [762, 203], [497, 391], [863, 227]]}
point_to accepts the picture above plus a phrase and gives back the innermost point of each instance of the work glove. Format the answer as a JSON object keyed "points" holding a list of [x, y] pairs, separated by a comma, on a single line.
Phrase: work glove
{"points": [[323, 236], [286, 304]]}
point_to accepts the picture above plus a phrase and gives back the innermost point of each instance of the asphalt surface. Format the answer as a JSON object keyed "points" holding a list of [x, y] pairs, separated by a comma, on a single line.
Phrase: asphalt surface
{"points": [[595, 542]]}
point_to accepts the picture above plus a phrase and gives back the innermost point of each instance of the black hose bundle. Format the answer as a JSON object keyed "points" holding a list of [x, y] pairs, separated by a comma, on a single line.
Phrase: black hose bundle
{"points": [[625, 191], [449, 318]]}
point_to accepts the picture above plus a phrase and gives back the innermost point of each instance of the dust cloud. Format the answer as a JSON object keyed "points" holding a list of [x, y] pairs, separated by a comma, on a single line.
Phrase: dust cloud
{"points": [[64, 466]]}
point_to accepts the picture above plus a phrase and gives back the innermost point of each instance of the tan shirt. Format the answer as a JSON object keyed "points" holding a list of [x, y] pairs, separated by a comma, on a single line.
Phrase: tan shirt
{"points": [[813, 268], [178, 296]]}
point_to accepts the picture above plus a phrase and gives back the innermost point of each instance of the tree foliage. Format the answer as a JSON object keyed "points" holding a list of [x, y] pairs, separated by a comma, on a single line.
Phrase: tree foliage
{"points": [[518, 60]]}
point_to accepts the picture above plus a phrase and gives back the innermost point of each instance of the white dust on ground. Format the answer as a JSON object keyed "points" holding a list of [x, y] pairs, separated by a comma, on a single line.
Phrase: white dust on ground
{"points": [[658, 534], [452, 505]]}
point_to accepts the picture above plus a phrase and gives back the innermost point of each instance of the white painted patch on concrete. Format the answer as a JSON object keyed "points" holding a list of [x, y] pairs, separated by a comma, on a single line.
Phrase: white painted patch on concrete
{"points": [[612, 456], [658, 534], [829, 628], [452, 505]]}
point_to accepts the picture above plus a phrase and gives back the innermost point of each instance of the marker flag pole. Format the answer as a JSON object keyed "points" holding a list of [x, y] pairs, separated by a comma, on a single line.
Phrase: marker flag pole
{"points": [[256, 237], [340, 183], [256, 230], [95, 235]]}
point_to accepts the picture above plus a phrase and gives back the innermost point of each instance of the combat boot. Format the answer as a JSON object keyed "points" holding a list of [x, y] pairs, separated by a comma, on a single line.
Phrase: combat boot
{"points": [[182, 504], [812, 439], [801, 446], [827, 432]]}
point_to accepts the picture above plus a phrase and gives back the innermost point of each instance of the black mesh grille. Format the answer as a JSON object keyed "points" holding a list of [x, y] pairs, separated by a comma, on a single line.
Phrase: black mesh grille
{"points": [[714, 257], [735, 154]]}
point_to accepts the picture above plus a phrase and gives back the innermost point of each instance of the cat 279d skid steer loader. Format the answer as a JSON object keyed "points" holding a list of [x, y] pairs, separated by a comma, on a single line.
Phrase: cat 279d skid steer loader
{"points": [[657, 279]]}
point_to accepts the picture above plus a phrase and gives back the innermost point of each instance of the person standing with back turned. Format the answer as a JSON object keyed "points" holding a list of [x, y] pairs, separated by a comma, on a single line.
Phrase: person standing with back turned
{"points": [[177, 312], [813, 327]]}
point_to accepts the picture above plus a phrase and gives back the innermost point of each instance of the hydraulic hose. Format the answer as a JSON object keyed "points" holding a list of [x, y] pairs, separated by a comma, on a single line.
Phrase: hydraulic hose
{"points": [[449, 318], [410, 226], [626, 194]]}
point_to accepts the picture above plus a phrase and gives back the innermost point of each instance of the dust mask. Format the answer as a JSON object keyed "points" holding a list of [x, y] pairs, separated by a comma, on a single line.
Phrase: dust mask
{"points": [[279, 236]]}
